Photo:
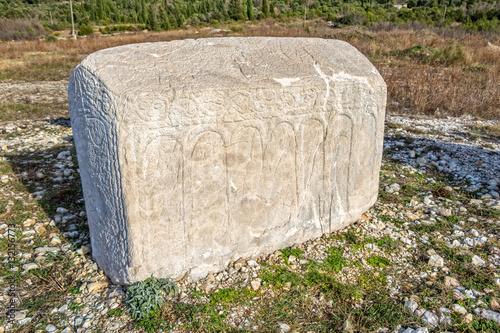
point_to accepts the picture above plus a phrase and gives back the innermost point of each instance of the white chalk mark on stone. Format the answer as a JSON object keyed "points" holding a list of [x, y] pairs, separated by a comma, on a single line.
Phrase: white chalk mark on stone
{"points": [[286, 81], [327, 82]]}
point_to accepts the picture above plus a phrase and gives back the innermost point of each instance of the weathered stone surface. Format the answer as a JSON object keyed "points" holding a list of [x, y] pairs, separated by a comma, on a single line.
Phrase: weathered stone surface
{"points": [[195, 153]]}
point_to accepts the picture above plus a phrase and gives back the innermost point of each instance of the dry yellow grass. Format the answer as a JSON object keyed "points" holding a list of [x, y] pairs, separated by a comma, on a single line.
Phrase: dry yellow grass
{"points": [[462, 75]]}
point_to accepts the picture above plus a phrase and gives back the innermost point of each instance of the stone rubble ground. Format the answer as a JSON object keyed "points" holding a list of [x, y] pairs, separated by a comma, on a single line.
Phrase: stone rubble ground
{"points": [[49, 92], [423, 145]]}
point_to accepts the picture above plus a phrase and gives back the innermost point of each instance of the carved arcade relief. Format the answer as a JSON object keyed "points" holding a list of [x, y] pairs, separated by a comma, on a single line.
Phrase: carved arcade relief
{"points": [[184, 177]]}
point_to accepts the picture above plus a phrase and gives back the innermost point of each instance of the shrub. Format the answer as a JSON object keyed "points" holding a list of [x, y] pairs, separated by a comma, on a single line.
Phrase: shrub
{"points": [[85, 30], [331, 16], [144, 299], [51, 39]]}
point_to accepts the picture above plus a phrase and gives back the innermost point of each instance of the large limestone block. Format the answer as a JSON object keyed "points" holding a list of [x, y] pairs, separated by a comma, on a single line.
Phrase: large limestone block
{"points": [[194, 153]]}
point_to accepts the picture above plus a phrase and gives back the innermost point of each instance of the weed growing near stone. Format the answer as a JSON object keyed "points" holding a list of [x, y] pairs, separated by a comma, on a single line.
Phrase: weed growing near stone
{"points": [[286, 253], [335, 261], [145, 298], [378, 261]]}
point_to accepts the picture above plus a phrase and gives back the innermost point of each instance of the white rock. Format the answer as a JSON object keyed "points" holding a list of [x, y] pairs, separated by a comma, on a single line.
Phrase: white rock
{"points": [[474, 232], [69, 217], [476, 202], [422, 330], [430, 319], [55, 240], [420, 312], [436, 261], [446, 212], [255, 284], [63, 154], [78, 321], [94, 286], [411, 305], [468, 318], [476, 260], [452, 282], [459, 309], [228, 159], [421, 161], [25, 321], [395, 187], [63, 309], [282, 327], [83, 250], [18, 315], [30, 266], [494, 204], [61, 210], [469, 294], [491, 315], [472, 188], [46, 249], [28, 223], [50, 329]]}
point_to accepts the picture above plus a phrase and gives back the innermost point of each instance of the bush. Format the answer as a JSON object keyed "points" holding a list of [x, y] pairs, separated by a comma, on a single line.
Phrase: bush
{"points": [[331, 16], [85, 30], [144, 299], [193, 21], [51, 39]]}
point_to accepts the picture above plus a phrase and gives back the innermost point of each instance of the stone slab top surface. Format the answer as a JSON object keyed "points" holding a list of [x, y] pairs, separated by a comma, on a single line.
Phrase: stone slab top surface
{"points": [[226, 63]]}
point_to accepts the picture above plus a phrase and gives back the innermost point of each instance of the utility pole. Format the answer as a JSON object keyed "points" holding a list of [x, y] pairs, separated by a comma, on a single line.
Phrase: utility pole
{"points": [[444, 16], [72, 20]]}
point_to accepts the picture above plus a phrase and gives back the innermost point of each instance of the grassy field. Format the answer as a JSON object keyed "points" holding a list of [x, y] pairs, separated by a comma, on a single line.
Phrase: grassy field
{"points": [[433, 72]]}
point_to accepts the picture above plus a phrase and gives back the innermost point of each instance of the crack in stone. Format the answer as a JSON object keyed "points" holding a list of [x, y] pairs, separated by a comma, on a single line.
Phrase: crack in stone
{"points": [[327, 82]]}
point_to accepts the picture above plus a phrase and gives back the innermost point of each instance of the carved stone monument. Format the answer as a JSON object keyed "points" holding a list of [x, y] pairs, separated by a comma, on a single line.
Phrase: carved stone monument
{"points": [[194, 153]]}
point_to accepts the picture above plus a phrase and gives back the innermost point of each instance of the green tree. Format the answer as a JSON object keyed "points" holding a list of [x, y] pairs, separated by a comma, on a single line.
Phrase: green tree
{"points": [[165, 23], [153, 19], [144, 9], [85, 30], [235, 10], [101, 9], [219, 13], [265, 8], [250, 9]]}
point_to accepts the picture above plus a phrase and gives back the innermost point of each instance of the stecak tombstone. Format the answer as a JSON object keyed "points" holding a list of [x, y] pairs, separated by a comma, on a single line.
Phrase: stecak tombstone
{"points": [[195, 153]]}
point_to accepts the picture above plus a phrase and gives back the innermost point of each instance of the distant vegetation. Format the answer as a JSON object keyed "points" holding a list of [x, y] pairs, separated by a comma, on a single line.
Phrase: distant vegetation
{"points": [[23, 16]]}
